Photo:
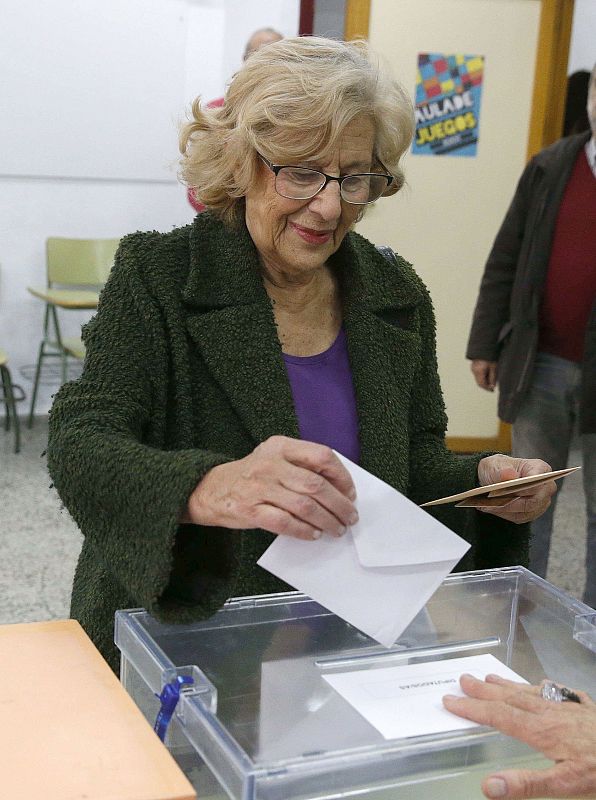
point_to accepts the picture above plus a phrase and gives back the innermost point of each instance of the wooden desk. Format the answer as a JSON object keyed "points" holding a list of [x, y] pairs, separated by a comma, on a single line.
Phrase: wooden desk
{"points": [[68, 729]]}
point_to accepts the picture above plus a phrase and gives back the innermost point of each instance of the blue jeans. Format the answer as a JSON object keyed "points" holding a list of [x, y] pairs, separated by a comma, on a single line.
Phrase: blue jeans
{"points": [[544, 429]]}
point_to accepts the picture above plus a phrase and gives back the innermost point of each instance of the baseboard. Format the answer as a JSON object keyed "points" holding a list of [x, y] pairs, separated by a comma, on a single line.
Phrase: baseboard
{"points": [[474, 444]]}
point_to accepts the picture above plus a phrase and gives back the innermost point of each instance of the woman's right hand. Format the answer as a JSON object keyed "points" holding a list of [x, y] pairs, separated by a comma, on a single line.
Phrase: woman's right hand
{"points": [[285, 486]]}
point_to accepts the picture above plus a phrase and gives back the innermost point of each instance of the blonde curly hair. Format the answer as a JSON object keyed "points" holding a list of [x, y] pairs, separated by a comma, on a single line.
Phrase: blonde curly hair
{"points": [[291, 101]]}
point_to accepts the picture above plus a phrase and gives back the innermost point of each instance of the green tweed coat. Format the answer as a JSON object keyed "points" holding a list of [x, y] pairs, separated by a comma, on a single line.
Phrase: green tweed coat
{"points": [[184, 370]]}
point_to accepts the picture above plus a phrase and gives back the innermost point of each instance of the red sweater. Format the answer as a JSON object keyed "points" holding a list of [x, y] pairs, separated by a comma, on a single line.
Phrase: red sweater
{"points": [[570, 287]]}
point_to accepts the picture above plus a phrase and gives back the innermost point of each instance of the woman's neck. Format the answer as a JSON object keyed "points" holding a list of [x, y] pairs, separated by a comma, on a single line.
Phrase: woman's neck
{"points": [[307, 313], [297, 294]]}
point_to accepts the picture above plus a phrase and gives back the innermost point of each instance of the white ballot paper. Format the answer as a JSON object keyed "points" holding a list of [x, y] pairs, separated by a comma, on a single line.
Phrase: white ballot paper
{"points": [[405, 700], [382, 571]]}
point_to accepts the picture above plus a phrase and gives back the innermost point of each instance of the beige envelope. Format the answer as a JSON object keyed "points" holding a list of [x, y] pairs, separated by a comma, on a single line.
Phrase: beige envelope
{"points": [[499, 494]]}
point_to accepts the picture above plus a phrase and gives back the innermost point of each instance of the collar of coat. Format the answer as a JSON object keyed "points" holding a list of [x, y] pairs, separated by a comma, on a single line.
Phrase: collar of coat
{"points": [[224, 271], [230, 319], [563, 150]]}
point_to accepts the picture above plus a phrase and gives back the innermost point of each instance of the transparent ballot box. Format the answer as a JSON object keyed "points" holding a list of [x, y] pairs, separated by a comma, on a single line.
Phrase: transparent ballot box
{"points": [[260, 722]]}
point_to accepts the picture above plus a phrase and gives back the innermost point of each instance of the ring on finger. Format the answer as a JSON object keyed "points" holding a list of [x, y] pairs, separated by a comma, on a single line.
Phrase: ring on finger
{"points": [[558, 694]]}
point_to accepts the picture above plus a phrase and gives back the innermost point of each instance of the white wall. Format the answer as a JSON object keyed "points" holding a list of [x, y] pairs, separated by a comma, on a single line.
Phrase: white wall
{"points": [[88, 79], [582, 52], [205, 50], [245, 16], [218, 31], [90, 84]]}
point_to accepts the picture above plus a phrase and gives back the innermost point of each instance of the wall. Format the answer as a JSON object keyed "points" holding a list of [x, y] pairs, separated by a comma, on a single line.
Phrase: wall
{"points": [[95, 91], [86, 80], [329, 18], [243, 17], [446, 219], [582, 53]]}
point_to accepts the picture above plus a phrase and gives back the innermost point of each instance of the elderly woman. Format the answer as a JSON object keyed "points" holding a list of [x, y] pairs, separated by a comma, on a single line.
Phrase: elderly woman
{"points": [[227, 358]]}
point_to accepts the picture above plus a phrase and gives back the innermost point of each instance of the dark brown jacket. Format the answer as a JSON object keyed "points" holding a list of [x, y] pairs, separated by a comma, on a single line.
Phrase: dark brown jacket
{"points": [[505, 325]]}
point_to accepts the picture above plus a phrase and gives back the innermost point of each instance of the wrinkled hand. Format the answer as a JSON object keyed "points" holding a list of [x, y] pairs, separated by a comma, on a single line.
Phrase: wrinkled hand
{"points": [[485, 374], [285, 486], [563, 732], [532, 502]]}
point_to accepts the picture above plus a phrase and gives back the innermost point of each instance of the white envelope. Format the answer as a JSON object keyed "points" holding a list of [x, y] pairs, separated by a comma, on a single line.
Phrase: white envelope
{"points": [[382, 571]]}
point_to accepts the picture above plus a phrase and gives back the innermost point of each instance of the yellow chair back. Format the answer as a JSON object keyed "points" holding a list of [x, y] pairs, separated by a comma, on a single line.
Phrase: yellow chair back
{"points": [[81, 262]]}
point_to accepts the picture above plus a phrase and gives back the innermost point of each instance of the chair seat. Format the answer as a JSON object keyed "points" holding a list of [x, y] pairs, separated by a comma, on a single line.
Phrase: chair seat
{"points": [[66, 298], [74, 346]]}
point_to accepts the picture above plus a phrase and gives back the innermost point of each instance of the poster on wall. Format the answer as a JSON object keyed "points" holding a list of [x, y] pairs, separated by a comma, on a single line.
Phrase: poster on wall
{"points": [[448, 94]]}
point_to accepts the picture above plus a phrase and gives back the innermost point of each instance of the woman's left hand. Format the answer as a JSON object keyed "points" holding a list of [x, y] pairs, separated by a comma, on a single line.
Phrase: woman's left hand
{"points": [[532, 502]]}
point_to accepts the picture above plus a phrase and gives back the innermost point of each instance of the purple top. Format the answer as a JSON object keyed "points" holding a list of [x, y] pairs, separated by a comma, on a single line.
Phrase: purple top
{"points": [[324, 398]]}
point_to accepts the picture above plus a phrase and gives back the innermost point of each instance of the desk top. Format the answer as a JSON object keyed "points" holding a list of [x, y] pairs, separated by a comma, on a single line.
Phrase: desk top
{"points": [[68, 728]]}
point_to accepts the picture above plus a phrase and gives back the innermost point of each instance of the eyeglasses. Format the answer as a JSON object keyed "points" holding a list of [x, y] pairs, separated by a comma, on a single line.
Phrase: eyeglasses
{"points": [[302, 183]]}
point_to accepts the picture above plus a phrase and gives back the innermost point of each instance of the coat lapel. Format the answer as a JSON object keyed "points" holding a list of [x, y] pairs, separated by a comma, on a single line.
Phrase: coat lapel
{"points": [[382, 358], [231, 321], [384, 349]]}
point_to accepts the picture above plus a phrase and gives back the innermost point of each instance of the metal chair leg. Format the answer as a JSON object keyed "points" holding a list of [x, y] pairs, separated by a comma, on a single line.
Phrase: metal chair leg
{"points": [[3, 371], [17, 423], [40, 358], [11, 408], [64, 365], [59, 344]]}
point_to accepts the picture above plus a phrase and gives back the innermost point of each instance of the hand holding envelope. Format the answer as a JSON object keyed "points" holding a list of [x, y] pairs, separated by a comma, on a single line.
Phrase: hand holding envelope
{"points": [[385, 568], [383, 571], [533, 501], [499, 494]]}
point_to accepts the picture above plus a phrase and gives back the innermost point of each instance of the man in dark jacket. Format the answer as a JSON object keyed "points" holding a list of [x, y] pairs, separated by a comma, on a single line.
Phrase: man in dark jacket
{"points": [[534, 327]]}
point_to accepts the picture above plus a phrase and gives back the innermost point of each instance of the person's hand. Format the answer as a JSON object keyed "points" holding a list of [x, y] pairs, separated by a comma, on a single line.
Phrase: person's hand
{"points": [[285, 486], [564, 732], [531, 502], [485, 373]]}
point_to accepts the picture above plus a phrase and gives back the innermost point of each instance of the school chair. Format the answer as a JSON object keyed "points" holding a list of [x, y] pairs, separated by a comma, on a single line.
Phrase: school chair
{"points": [[76, 269]]}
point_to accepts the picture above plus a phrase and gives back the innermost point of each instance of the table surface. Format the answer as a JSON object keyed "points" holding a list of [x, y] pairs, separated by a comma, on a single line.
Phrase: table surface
{"points": [[69, 730]]}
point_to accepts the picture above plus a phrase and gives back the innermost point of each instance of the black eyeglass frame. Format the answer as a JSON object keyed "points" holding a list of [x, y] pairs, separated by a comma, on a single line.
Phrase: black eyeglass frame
{"points": [[275, 168]]}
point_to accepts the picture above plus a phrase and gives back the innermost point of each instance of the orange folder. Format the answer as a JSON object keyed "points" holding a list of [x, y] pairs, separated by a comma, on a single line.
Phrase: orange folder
{"points": [[68, 729]]}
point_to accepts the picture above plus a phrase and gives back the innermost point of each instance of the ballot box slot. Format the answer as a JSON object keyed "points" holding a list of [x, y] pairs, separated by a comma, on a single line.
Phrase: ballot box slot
{"points": [[407, 653]]}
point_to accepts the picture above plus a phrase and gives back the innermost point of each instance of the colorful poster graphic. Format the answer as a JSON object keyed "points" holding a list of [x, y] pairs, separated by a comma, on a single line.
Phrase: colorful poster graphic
{"points": [[448, 93]]}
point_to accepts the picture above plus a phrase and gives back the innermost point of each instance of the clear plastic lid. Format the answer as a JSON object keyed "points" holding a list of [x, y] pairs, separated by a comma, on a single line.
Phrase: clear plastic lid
{"points": [[265, 720]]}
